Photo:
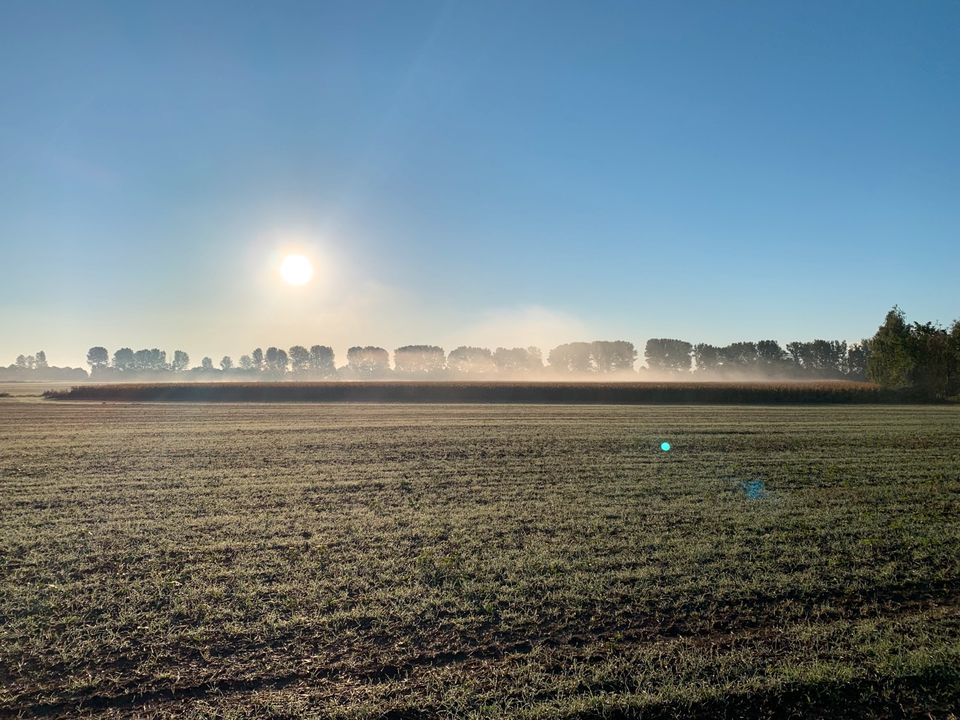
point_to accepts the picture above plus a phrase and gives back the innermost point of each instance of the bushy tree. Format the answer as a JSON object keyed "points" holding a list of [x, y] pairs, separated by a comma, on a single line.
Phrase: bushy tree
{"points": [[613, 356], [668, 355], [467, 361], [517, 361], [856, 363], [41, 360], [770, 355], [226, 363], [246, 362], [206, 363], [123, 360], [299, 358], [707, 357], [322, 361], [181, 361], [574, 357], [739, 356], [97, 358], [921, 357], [257, 357], [890, 363], [419, 360], [368, 361]]}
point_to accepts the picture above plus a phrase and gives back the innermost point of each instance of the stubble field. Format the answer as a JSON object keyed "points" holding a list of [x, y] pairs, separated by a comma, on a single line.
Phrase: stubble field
{"points": [[478, 561]]}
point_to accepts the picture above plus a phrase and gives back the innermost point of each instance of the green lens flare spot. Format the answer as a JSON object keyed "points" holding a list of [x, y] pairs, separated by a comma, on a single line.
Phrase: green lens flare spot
{"points": [[665, 446]]}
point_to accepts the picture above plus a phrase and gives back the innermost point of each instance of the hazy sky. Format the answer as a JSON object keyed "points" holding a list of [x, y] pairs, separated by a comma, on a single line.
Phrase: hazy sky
{"points": [[485, 172]]}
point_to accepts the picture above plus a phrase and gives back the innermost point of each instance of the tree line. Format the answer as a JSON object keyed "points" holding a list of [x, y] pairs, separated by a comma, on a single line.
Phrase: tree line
{"points": [[922, 357]]}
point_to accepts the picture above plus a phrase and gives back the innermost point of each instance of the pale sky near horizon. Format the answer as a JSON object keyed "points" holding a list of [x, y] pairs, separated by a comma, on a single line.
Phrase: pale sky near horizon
{"points": [[491, 173]]}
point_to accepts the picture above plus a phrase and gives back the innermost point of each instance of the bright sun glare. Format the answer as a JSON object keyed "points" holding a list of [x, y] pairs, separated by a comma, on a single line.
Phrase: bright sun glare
{"points": [[296, 270]]}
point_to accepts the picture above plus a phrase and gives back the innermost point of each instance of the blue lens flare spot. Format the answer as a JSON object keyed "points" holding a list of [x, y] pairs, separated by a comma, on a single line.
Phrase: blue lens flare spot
{"points": [[754, 489], [665, 446]]}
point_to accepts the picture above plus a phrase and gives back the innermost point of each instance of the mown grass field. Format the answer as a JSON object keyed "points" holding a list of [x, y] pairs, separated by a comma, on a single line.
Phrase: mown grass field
{"points": [[364, 561]]}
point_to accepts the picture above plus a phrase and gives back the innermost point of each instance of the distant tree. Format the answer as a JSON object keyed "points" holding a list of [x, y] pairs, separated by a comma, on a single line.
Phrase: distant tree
{"points": [[181, 361], [819, 358], [206, 363], [246, 363], [856, 364], [890, 362], [739, 356], [41, 361], [613, 356], [21, 362], [931, 359], [283, 360], [667, 354], [98, 358], [574, 357], [31, 362], [368, 361], [419, 360], [953, 374], [512, 362], [271, 360], [299, 358], [467, 361], [123, 360], [226, 363], [141, 360], [707, 357], [322, 361], [770, 355], [257, 357]]}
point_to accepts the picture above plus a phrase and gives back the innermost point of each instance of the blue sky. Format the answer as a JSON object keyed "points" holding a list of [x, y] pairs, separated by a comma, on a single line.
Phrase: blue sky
{"points": [[481, 172]]}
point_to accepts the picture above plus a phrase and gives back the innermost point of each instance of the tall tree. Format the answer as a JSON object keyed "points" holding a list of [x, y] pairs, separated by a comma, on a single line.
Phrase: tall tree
{"points": [[257, 357], [246, 363], [41, 360], [515, 362], [123, 359], [97, 358], [574, 357], [322, 361], [419, 360], [181, 361], [369, 361], [770, 355], [739, 356], [890, 361], [613, 356], [271, 360], [856, 363], [21, 362], [226, 363], [467, 361], [299, 358], [707, 357], [206, 363], [668, 354]]}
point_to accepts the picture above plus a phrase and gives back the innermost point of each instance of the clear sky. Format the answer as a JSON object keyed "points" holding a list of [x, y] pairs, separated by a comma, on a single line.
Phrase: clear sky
{"points": [[473, 172]]}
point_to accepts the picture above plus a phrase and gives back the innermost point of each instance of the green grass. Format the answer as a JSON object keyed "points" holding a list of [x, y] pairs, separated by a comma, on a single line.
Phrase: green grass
{"points": [[476, 561]]}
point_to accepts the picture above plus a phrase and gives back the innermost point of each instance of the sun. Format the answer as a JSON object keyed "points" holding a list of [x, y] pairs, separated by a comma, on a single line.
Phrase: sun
{"points": [[296, 270]]}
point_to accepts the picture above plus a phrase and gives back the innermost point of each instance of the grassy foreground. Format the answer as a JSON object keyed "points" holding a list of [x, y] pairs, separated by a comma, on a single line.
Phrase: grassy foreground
{"points": [[466, 561], [566, 393]]}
